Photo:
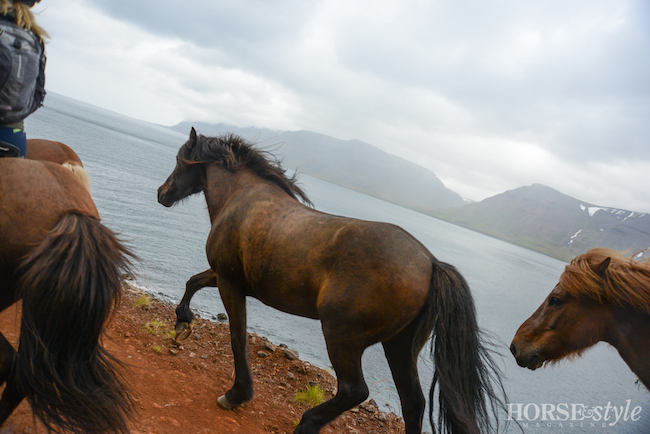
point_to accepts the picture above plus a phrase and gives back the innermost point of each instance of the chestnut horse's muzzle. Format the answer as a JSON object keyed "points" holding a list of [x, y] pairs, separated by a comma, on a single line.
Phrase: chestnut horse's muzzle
{"points": [[526, 357]]}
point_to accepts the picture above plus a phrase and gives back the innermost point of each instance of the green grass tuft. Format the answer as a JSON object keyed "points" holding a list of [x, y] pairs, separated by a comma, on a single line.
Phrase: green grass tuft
{"points": [[311, 395], [155, 326], [143, 301]]}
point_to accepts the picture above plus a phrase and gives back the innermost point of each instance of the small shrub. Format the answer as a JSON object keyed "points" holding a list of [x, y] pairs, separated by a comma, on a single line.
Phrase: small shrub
{"points": [[157, 349], [311, 395]]}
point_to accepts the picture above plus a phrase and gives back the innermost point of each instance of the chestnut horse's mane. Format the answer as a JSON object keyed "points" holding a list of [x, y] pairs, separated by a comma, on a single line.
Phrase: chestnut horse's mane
{"points": [[233, 152], [625, 281]]}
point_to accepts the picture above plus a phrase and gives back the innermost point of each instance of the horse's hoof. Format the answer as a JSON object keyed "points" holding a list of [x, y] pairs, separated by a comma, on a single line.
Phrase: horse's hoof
{"points": [[183, 331], [223, 402]]}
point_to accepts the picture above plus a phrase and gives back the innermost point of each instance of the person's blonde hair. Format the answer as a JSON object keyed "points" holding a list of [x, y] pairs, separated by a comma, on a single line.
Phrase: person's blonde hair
{"points": [[23, 16]]}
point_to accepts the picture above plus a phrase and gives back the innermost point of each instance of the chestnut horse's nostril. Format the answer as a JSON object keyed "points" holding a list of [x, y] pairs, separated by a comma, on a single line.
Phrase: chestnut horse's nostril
{"points": [[513, 350]]}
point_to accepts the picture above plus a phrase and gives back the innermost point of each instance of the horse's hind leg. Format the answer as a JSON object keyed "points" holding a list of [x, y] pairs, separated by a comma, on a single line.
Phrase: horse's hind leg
{"points": [[7, 359], [403, 365], [11, 396], [184, 315], [345, 356]]}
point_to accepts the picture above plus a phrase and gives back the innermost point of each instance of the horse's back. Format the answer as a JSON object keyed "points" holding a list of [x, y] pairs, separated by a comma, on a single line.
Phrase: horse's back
{"points": [[34, 195], [49, 150]]}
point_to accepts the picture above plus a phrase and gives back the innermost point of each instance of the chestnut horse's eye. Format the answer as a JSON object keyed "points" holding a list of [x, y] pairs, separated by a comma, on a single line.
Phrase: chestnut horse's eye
{"points": [[554, 301]]}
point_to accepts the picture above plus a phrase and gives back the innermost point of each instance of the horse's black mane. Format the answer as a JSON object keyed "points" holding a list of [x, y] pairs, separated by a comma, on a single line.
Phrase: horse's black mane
{"points": [[234, 152]]}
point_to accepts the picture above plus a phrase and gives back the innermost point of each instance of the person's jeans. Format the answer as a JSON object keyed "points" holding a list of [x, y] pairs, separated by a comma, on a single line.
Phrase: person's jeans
{"points": [[12, 141]]}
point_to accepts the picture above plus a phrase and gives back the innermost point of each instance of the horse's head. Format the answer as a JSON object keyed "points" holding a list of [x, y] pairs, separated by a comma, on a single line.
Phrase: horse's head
{"points": [[565, 324], [187, 178]]}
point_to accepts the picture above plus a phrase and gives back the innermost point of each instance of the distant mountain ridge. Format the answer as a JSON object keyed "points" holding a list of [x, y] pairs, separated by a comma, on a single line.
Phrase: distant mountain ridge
{"points": [[536, 217], [349, 163], [543, 219]]}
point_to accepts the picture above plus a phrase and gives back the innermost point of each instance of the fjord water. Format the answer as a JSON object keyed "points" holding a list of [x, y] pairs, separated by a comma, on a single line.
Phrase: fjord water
{"points": [[128, 159]]}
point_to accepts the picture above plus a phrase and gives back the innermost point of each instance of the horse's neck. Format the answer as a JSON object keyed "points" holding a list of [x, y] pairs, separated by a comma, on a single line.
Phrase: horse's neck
{"points": [[218, 189], [224, 188], [631, 338]]}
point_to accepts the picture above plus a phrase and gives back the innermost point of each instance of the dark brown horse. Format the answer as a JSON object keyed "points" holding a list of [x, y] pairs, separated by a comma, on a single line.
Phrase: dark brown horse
{"points": [[601, 296], [65, 265], [57, 152], [366, 282]]}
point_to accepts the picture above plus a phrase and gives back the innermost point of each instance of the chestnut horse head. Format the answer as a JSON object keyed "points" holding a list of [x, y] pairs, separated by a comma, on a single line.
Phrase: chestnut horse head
{"points": [[601, 296]]}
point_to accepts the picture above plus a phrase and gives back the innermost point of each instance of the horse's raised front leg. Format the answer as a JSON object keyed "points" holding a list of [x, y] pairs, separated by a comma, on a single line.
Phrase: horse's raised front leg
{"points": [[345, 354], [242, 390], [184, 315]]}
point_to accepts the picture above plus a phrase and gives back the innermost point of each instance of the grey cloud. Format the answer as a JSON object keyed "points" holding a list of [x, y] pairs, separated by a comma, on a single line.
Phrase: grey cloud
{"points": [[570, 77]]}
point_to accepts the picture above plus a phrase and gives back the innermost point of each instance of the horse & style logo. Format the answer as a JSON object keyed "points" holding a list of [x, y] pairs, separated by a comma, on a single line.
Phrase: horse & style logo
{"points": [[570, 415]]}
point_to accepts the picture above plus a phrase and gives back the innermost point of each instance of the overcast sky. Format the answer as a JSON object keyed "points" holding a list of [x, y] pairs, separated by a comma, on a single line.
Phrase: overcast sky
{"points": [[490, 95]]}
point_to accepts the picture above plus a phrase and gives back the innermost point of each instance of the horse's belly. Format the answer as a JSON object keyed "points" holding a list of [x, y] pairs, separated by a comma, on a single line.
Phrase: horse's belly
{"points": [[294, 302]]}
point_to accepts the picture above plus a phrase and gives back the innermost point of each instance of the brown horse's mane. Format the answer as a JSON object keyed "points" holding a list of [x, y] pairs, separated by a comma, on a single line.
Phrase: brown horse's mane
{"points": [[233, 152], [625, 282]]}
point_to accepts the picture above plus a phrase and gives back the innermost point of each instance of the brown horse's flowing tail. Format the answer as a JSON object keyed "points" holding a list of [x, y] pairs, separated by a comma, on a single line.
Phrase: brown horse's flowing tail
{"points": [[68, 285], [470, 390]]}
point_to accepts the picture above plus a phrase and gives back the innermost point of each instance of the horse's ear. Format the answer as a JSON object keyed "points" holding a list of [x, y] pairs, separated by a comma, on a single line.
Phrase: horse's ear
{"points": [[602, 267], [192, 137]]}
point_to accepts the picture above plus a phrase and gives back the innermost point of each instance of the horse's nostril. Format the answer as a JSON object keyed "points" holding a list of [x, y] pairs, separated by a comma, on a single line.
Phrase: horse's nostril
{"points": [[513, 350]]}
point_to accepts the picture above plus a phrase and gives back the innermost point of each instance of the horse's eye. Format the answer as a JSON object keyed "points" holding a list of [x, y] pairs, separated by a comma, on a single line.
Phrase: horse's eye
{"points": [[554, 301]]}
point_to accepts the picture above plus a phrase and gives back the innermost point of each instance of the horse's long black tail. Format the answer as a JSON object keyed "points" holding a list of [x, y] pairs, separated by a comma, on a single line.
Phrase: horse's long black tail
{"points": [[470, 389], [68, 285]]}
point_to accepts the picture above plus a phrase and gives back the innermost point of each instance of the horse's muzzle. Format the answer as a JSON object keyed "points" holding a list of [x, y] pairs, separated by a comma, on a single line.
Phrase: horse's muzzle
{"points": [[526, 359], [162, 196]]}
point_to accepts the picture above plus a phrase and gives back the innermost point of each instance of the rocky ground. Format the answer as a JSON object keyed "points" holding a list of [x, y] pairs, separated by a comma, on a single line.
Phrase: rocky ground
{"points": [[175, 386]]}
